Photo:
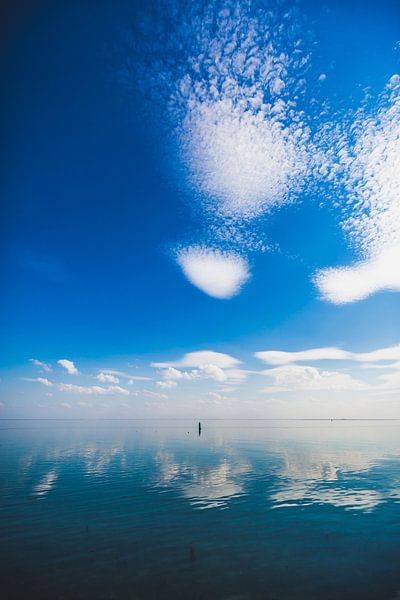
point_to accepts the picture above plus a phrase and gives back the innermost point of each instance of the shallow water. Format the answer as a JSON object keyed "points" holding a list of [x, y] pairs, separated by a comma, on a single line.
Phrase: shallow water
{"points": [[250, 509]]}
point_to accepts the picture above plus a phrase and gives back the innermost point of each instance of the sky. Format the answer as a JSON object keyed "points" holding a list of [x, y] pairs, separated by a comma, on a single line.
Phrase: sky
{"points": [[200, 209]]}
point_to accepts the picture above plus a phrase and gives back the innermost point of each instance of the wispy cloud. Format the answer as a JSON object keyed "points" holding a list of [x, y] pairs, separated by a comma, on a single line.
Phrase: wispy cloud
{"points": [[368, 151], [42, 365], [278, 357], [124, 375], [69, 366], [96, 390], [42, 380]]}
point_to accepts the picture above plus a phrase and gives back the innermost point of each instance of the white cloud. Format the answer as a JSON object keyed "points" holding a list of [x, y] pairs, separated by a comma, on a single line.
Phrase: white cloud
{"points": [[42, 380], [69, 366], [214, 396], [369, 158], [296, 377], [204, 364], [351, 284], [230, 77], [169, 383], [107, 378], [240, 157], [203, 372], [201, 358], [390, 381], [276, 357], [42, 365], [236, 376], [111, 390], [151, 394], [96, 390], [218, 274], [124, 375]]}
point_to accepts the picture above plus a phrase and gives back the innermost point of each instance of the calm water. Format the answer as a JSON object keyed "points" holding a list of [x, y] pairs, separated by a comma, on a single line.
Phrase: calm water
{"points": [[250, 509]]}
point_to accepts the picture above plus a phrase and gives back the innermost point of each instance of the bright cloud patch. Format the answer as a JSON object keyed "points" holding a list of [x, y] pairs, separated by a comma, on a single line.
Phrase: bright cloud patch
{"points": [[42, 365], [243, 161], [68, 365], [201, 365], [277, 357], [107, 378], [95, 390], [350, 284], [166, 384], [369, 155], [203, 372], [201, 358], [121, 374], [296, 377], [218, 274], [231, 77]]}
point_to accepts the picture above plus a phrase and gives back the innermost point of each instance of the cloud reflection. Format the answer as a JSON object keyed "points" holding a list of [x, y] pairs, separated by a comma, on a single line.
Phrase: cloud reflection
{"points": [[45, 484], [349, 467], [205, 486], [336, 478]]}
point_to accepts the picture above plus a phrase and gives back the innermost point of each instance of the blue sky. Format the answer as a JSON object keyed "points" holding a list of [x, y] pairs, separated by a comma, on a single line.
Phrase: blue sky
{"points": [[222, 179]]}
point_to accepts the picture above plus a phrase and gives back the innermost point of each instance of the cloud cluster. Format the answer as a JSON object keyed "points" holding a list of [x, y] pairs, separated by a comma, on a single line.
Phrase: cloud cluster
{"points": [[201, 365], [218, 274], [203, 372], [300, 378], [232, 79], [224, 373], [69, 366], [229, 75], [96, 390], [243, 160], [107, 378], [369, 153]]}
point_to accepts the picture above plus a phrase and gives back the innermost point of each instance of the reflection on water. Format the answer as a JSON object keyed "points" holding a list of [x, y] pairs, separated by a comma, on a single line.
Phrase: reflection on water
{"points": [[128, 510], [45, 484], [205, 486]]}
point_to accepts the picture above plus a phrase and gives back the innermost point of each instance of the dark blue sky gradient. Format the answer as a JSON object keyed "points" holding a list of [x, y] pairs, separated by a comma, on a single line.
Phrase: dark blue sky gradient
{"points": [[90, 209]]}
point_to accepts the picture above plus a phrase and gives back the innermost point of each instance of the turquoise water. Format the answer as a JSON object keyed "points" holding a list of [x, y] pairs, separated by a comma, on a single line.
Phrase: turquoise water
{"points": [[250, 509]]}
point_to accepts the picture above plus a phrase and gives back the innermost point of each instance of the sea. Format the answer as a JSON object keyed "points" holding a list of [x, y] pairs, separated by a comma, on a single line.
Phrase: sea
{"points": [[234, 510]]}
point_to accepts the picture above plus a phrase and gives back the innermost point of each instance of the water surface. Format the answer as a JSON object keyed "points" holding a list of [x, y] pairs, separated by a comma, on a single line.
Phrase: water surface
{"points": [[272, 510]]}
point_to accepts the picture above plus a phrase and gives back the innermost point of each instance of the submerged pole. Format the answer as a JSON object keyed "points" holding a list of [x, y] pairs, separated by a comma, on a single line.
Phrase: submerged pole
{"points": [[199, 428]]}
